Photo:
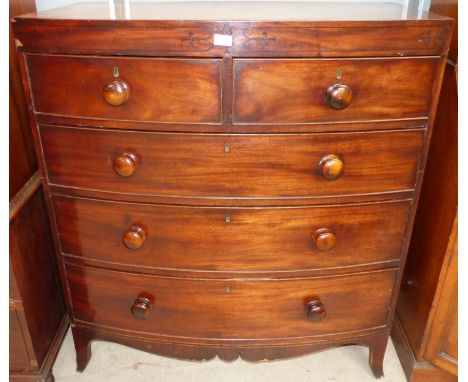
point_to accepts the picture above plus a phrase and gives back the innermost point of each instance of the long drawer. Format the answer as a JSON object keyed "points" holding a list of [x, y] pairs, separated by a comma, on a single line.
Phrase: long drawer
{"points": [[131, 89], [294, 90], [226, 166], [230, 239], [230, 309]]}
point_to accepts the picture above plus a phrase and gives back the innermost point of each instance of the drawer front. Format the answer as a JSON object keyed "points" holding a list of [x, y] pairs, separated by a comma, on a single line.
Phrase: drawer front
{"points": [[230, 309], [231, 239], [216, 165], [151, 90], [294, 90], [333, 41], [115, 39]]}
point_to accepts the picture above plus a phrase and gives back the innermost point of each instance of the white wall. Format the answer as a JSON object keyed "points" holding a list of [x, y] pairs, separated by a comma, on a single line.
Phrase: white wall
{"points": [[48, 4]]}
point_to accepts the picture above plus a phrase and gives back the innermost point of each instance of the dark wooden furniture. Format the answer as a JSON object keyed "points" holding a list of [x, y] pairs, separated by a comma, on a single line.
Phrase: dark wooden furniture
{"points": [[37, 317], [426, 326], [232, 187]]}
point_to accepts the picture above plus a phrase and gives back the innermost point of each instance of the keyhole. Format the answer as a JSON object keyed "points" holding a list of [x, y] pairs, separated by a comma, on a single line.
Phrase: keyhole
{"points": [[339, 74]]}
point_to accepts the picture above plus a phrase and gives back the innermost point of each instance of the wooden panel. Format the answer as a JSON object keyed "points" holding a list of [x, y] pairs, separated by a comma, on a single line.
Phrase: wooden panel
{"points": [[442, 347], [160, 90], [34, 266], [434, 217], [416, 371], [22, 164], [138, 40], [293, 91], [331, 41], [433, 374], [230, 309], [234, 239], [159, 29], [449, 8], [23, 161], [427, 253], [13, 287], [18, 355], [270, 166]]}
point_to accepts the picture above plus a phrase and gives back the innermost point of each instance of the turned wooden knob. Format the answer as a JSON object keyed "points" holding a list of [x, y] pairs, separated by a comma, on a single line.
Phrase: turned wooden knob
{"points": [[116, 92], [134, 237], [125, 164], [315, 310], [141, 308], [331, 167], [324, 239], [338, 96]]}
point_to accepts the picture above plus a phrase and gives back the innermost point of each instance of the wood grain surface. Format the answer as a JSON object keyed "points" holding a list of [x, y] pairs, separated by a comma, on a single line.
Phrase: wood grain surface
{"points": [[230, 309], [219, 188], [232, 166], [161, 90], [74, 31], [238, 240], [293, 91]]}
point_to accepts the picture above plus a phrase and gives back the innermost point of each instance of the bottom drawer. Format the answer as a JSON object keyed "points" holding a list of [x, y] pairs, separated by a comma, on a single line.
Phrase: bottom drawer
{"points": [[230, 309]]}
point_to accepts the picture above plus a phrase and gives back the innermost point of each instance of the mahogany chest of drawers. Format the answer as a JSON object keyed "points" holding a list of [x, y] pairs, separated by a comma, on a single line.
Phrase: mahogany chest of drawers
{"points": [[237, 184]]}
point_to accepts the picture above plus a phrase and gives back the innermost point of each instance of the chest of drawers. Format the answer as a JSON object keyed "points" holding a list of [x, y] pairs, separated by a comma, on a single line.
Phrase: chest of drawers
{"points": [[243, 187]]}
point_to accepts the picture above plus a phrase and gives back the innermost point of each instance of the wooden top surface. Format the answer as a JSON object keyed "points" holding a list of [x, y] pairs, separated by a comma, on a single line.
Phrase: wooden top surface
{"points": [[235, 11]]}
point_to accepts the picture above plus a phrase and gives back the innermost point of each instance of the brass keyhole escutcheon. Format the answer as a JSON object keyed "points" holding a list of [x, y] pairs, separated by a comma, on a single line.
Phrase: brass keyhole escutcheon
{"points": [[339, 74], [227, 148], [227, 218], [228, 289]]}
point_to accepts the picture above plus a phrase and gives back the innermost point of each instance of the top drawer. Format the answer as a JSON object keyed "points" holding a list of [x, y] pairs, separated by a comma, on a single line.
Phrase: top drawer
{"points": [[286, 91], [136, 89]]}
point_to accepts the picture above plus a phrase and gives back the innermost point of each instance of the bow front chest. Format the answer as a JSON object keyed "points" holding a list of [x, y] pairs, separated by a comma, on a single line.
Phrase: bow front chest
{"points": [[234, 178]]}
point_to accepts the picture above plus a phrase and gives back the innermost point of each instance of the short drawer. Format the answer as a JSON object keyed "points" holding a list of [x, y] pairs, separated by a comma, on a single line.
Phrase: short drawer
{"points": [[228, 308], [230, 239], [225, 166], [331, 90], [130, 89]]}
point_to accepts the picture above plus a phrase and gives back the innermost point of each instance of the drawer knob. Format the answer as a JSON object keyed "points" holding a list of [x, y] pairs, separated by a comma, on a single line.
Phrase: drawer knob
{"points": [[116, 92], [338, 96], [315, 310], [134, 237], [331, 167], [324, 239], [125, 164], [141, 308]]}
